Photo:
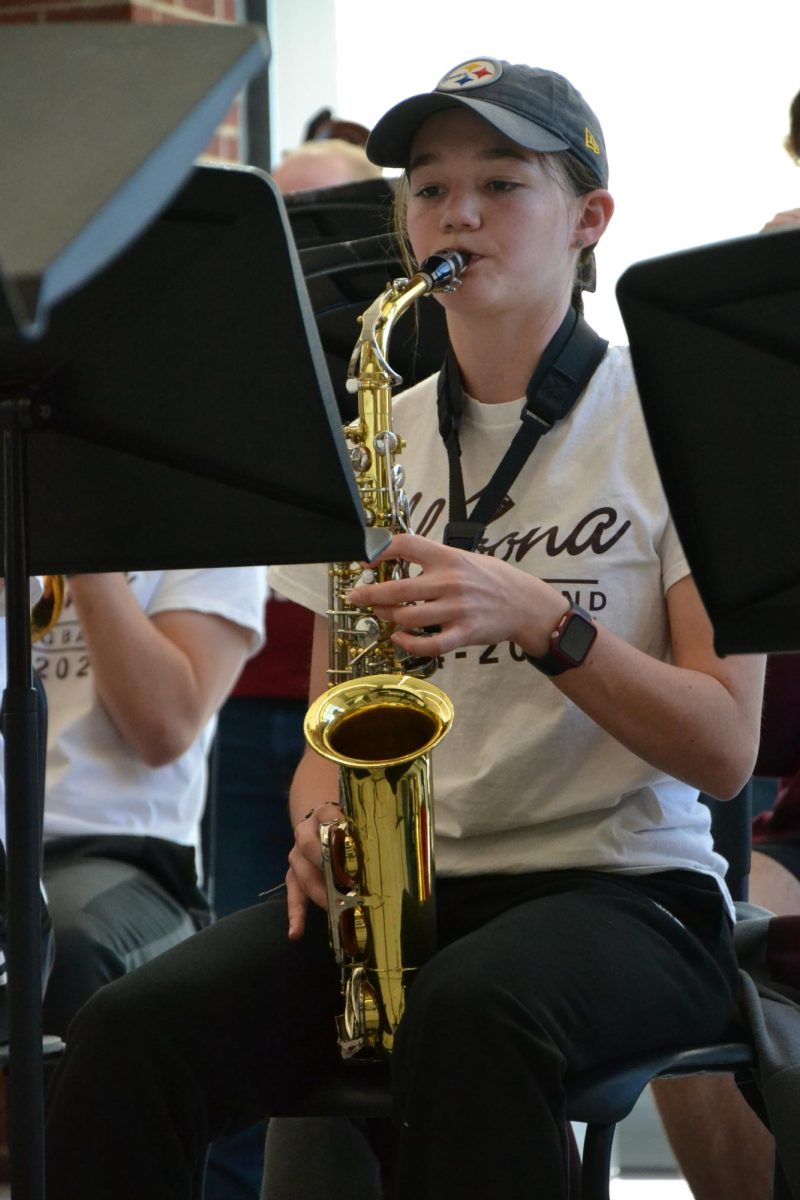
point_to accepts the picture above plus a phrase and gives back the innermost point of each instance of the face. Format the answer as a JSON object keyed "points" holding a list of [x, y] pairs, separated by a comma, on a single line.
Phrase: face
{"points": [[472, 189]]}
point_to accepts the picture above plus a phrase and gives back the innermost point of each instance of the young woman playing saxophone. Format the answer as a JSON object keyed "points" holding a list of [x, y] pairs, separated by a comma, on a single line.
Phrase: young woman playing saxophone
{"points": [[582, 912]]}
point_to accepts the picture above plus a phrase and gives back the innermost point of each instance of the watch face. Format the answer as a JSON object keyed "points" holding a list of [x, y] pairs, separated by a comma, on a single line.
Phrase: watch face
{"points": [[576, 638]]}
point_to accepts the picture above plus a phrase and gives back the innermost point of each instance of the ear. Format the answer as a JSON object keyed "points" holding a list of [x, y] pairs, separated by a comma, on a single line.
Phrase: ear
{"points": [[596, 210]]}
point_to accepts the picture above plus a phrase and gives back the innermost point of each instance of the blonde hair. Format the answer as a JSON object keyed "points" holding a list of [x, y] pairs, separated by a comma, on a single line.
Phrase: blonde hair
{"points": [[342, 161]]}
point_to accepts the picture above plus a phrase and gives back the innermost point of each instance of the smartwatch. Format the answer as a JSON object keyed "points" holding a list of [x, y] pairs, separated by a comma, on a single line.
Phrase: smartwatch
{"points": [[570, 642]]}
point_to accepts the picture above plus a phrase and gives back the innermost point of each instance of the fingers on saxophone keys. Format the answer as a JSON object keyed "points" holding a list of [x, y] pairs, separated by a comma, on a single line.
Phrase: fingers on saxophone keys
{"points": [[390, 592]]}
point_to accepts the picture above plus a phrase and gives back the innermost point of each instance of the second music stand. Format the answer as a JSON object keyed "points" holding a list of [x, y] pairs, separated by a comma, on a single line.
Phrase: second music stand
{"points": [[716, 350]]}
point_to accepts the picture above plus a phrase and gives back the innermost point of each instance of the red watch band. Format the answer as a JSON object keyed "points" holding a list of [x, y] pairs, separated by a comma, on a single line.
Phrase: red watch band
{"points": [[570, 642]]}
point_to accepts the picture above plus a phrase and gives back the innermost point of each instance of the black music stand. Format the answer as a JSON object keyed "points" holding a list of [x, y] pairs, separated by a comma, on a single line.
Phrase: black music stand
{"points": [[175, 413], [102, 123], [715, 344], [348, 256]]}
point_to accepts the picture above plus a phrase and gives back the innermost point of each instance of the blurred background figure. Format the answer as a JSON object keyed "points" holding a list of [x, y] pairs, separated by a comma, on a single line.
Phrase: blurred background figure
{"points": [[324, 125], [260, 738], [132, 672], [323, 164], [721, 1145]]}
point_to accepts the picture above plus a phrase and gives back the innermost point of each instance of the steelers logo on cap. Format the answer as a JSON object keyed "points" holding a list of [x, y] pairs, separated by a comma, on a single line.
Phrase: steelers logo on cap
{"points": [[474, 74]]}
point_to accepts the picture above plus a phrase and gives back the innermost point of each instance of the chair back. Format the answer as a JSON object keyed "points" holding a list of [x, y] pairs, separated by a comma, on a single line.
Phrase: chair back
{"points": [[208, 826]]}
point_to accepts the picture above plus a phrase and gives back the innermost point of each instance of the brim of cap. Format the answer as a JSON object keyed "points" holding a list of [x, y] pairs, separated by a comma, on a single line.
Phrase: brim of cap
{"points": [[389, 144]]}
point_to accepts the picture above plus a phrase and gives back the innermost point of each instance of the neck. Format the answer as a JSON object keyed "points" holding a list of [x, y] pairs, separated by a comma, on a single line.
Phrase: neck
{"points": [[498, 357]]}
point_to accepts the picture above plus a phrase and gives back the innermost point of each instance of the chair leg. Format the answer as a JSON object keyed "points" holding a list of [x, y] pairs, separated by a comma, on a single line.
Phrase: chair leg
{"points": [[575, 1191], [198, 1183], [596, 1161]]}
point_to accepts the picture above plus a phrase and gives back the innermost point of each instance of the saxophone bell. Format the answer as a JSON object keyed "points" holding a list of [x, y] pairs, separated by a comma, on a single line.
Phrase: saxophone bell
{"points": [[378, 857]]}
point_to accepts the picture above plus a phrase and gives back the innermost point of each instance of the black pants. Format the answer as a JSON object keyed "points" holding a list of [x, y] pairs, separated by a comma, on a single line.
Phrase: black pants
{"points": [[539, 976]]}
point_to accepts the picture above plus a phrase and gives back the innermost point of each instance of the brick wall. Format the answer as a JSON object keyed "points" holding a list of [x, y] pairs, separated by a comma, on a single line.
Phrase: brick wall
{"points": [[226, 144]]}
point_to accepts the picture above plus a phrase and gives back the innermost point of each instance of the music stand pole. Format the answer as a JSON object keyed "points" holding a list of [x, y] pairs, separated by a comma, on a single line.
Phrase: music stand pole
{"points": [[19, 723]]}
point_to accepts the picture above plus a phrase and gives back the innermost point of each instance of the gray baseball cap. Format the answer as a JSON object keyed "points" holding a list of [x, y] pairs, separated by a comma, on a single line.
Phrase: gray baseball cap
{"points": [[535, 108]]}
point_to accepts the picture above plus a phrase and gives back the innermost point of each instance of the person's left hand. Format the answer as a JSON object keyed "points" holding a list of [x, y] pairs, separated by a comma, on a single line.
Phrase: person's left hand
{"points": [[474, 599]]}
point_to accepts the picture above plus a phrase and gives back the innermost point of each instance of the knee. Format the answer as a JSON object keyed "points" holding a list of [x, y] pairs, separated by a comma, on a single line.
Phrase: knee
{"points": [[448, 991], [80, 954], [461, 1007], [105, 1023], [464, 1009], [82, 966]]}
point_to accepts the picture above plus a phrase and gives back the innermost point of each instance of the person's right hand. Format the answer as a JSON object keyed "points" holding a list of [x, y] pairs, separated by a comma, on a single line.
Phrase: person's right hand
{"points": [[304, 879], [782, 220]]}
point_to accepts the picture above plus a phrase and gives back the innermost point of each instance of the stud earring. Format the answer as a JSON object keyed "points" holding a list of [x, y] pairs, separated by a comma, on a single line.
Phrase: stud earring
{"points": [[578, 243]]}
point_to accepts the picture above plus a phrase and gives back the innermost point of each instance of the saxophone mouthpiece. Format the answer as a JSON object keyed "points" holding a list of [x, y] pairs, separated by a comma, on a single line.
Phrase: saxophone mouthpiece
{"points": [[460, 259], [444, 269]]}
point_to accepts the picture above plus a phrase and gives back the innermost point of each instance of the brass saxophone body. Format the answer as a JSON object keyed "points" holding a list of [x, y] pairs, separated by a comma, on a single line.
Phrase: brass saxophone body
{"points": [[47, 608], [379, 720]]}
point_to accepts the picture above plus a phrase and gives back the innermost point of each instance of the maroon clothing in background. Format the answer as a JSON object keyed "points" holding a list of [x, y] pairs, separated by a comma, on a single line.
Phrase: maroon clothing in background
{"points": [[782, 821], [783, 950], [281, 668], [779, 753]]}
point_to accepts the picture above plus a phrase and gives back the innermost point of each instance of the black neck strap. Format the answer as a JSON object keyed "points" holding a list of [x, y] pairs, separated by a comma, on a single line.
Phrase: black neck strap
{"points": [[568, 363]]}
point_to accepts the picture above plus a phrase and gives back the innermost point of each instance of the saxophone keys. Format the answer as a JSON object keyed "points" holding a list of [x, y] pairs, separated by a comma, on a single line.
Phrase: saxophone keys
{"points": [[344, 861], [366, 629], [360, 459], [359, 1026], [386, 442], [354, 932]]}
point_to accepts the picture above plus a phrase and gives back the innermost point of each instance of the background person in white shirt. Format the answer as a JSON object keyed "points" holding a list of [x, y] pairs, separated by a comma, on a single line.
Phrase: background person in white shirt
{"points": [[133, 671]]}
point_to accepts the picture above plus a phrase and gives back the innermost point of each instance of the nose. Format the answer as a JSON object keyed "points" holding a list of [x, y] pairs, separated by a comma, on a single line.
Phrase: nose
{"points": [[461, 210]]}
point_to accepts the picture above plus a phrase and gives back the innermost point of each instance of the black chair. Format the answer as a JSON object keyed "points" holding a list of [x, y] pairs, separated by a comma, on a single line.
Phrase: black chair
{"points": [[208, 826], [601, 1098]]}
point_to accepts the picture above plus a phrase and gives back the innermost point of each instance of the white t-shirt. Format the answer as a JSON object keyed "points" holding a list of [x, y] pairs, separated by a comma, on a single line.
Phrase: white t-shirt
{"points": [[525, 780], [95, 782]]}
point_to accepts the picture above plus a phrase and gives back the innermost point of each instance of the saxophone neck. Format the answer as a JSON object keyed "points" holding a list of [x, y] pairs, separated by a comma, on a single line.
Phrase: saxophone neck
{"points": [[438, 273], [368, 362]]}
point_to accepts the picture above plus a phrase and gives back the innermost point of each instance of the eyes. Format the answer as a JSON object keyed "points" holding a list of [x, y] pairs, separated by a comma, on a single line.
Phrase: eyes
{"points": [[431, 191], [502, 185]]}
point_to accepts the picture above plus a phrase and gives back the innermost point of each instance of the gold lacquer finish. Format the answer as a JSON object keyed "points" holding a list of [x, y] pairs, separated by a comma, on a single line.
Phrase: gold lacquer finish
{"points": [[378, 858], [47, 608], [359, 643], [378, 723]]}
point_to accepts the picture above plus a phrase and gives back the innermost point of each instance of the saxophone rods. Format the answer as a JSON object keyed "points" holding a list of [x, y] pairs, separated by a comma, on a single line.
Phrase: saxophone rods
{"points": [[379, 724]]}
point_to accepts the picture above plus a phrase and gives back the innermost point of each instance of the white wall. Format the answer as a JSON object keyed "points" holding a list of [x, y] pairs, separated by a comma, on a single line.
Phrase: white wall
{"points": [[303, 68], [693, 97]]}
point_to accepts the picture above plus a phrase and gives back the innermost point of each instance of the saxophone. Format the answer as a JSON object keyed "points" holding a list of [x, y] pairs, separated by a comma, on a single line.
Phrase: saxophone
{"points": [[379, 721], [47, 608]]}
